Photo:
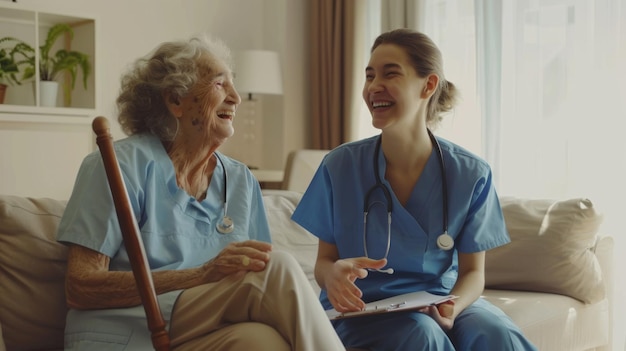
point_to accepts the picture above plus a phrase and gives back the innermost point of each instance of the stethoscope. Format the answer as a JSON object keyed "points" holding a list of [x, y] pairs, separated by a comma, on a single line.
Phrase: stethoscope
{"points": [[226, 224], [444, 241]]}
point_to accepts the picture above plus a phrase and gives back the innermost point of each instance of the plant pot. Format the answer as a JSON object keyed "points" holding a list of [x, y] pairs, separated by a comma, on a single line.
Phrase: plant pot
{"points": [[3, 90], [48, 93]]}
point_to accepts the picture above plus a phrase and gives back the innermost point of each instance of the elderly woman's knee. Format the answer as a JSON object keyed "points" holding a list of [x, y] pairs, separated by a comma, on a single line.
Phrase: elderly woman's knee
{"points": [[285, 263], [243, 336], [283, 258], [284, 267]]}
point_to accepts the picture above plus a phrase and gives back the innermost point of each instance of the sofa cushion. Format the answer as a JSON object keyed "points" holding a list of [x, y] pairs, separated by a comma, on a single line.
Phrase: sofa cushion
{"points": [[551, 249], [287, 235], [555, 322], [32, 273]]}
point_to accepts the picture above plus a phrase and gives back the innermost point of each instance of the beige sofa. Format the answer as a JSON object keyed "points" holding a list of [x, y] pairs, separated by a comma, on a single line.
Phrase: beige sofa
{"points": [[554, 279]]}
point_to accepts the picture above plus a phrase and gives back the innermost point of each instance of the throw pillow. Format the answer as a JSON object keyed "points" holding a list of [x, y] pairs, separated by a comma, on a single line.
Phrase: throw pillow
{"points": [[32, 273], [551, 249]]}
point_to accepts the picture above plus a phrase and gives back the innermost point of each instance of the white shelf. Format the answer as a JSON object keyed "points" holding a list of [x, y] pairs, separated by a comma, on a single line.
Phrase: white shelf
{"points": [[30, 114]]}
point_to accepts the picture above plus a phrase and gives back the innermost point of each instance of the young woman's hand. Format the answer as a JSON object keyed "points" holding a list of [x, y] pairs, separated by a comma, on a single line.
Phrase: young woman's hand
{"points": [[443, 314], [343, 294]]}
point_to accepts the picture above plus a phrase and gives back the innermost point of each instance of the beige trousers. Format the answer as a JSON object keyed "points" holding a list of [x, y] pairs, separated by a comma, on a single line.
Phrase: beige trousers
{"points": [[275, 309]]}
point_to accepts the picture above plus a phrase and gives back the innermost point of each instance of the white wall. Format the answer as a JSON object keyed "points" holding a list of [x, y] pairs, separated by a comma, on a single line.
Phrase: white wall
{"points": [[127, 30]]}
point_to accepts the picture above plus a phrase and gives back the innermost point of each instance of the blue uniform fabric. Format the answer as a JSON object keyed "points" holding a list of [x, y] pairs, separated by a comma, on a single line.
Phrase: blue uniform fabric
{"points": [[333, 207], [178, 231]]}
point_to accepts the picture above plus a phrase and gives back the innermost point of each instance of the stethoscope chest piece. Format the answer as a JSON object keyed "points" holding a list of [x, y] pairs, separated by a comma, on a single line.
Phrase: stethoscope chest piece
{"points": [[445, 241], [226, 225]]}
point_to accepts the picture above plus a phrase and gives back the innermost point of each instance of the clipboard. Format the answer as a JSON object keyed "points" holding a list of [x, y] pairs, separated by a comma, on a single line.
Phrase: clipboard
{"points": [[409, 301]]}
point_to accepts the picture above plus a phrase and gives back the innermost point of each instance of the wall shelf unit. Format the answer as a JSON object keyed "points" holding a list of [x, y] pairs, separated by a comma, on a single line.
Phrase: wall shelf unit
{"points": [[31, 26], [42, 147]]}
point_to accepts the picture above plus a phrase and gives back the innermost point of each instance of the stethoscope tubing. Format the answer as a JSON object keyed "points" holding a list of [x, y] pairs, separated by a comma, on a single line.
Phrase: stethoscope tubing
{"points": [[380, 185], [444, 241], [226, 225]]}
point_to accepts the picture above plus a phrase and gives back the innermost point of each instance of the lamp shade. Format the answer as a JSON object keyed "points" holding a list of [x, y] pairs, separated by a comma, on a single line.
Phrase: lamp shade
{"points": [[257, 72]]}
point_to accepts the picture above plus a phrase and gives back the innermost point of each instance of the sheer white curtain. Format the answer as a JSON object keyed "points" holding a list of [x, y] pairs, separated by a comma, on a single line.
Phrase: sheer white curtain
{"points": [[543, 96], [362, 123], [563, 104], [542, 83]]}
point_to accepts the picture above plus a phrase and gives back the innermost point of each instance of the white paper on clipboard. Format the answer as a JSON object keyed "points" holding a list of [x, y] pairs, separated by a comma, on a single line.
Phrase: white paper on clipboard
{"points": [[414, 300]]}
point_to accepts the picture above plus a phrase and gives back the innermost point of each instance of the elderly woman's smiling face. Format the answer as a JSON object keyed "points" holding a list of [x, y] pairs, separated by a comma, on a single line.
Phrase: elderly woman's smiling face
{"points": [[207, 111]]}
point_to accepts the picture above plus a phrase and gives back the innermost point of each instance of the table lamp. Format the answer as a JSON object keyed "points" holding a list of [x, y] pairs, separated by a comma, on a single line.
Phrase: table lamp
{"points": [[256, 72]]}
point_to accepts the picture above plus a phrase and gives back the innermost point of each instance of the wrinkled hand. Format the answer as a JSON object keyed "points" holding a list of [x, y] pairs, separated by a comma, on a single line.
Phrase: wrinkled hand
{"points": [[245, 256], [343, 294], [442, 314]]}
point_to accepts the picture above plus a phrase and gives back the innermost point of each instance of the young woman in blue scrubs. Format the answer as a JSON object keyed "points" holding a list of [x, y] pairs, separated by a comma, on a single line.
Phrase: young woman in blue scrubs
{"points": [[444, 215]]}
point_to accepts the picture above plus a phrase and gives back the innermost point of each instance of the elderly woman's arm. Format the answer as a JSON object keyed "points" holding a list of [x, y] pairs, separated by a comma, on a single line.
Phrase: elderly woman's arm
{"points": [[90, 284]]}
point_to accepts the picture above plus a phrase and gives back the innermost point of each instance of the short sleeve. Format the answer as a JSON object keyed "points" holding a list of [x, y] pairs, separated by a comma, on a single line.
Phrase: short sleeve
{"points": [[89, 219], [315, 210], [484, 226]]}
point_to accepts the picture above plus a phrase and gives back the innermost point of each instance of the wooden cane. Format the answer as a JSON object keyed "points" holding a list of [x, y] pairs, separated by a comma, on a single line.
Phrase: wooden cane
{"points": [[132, 238]]}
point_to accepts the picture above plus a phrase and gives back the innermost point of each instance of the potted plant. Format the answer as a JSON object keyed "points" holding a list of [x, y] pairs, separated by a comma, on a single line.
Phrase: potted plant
{"points": [[51, 65], [9, 67]]}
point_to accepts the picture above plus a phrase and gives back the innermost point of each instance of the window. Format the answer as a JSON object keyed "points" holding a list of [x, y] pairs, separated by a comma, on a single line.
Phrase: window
{"points": [[551, 103]]}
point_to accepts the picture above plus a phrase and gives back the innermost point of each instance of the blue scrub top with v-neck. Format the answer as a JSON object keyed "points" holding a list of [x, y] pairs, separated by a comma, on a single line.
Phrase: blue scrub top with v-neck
{"points": [[332, 209], [178, 231]]}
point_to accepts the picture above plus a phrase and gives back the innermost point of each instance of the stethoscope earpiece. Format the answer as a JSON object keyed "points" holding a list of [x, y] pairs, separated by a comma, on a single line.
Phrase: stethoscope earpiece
{"points": [[388, 270]]}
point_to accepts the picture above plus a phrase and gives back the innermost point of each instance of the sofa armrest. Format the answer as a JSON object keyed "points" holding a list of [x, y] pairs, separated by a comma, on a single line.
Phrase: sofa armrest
{"points": [[604, 252], [32, 273], [604, 249]]}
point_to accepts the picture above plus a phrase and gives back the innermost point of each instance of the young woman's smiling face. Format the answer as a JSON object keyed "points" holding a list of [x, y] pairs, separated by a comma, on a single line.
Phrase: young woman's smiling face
{"points": [[211, 104], [392, 87]]}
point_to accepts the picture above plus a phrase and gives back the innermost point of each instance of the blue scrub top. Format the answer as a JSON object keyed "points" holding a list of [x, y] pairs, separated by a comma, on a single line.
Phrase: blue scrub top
{"points": [[178, 231], [333, 205]]}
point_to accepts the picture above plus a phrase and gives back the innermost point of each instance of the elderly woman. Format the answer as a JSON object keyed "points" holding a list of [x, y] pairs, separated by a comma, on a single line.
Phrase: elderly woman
{"points": [[220, 286]]}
